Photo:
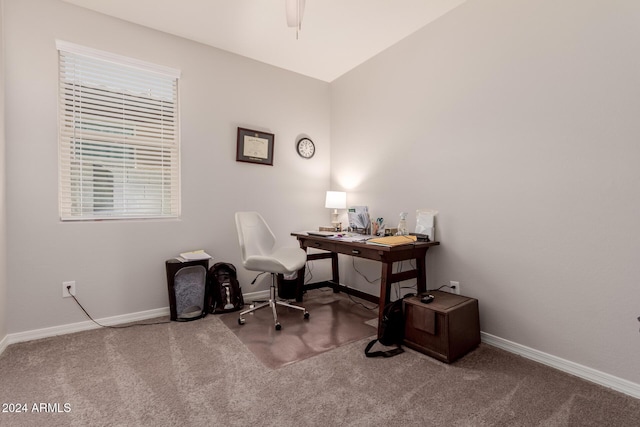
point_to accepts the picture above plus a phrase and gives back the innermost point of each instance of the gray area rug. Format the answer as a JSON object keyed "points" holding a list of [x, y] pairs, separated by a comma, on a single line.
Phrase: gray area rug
{"points": [[200, 374]]}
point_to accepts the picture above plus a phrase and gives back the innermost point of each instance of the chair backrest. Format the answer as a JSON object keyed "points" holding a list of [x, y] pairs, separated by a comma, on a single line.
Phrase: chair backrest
{"points": [[254, 235]]}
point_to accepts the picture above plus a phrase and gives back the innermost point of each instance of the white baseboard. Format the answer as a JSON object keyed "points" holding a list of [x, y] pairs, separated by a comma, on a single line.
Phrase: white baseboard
{"points": [[107, 321], [584, 372], [81, 326]]}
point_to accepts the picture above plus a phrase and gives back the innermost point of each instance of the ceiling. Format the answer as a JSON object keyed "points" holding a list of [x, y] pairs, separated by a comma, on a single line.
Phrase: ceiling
{"points": [[336, 35]]}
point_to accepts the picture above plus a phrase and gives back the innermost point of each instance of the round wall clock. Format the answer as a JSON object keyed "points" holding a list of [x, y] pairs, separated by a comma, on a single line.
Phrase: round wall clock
{"points": [[306, 148]]}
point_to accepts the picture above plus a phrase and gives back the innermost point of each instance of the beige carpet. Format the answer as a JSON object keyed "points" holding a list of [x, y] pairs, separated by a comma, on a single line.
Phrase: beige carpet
{"points": [[334, 320], [200, 374]]}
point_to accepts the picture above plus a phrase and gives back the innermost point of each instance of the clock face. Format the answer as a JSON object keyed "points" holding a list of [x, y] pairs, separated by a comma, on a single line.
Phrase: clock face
{"points": [[306, 148]]}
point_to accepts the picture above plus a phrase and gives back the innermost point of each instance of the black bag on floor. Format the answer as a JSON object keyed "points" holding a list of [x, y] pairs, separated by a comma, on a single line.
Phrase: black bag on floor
{"points": [[392, 331], [224, 289]]}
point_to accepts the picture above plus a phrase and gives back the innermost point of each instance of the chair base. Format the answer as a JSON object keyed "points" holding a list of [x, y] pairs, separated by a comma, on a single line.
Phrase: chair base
{"points": [[272, 302]]}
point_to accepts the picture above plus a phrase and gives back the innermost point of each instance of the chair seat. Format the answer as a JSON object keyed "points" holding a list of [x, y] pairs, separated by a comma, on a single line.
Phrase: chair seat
{"points": [[280, 261]]}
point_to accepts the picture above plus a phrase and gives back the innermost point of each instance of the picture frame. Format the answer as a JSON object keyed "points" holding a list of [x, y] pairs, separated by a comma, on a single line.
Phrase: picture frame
{"points": [[255, 147]]}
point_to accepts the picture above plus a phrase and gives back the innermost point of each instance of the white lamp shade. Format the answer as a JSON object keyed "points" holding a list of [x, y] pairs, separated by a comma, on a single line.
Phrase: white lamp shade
{"points": [[295, 10], [336, 200]]}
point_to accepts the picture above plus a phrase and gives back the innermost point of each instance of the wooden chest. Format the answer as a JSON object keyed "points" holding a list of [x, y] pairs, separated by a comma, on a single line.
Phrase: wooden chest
{"points": [[447, 328]]}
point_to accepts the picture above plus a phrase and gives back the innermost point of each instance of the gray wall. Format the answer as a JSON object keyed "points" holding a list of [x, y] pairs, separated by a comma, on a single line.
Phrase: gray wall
{"points": [[518, 121], [3, 217], [119, 265]]}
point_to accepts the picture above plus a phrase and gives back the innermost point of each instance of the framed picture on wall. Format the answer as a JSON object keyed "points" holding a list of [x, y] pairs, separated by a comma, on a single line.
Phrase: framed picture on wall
{"points": [[255, 147]]}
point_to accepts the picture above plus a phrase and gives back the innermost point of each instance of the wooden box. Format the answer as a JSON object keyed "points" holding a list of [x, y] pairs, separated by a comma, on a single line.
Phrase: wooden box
{"points": [[446, 328]]}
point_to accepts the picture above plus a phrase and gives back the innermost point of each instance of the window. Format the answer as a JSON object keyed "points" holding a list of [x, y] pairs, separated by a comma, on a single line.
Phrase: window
{"points": [[118, 137]]}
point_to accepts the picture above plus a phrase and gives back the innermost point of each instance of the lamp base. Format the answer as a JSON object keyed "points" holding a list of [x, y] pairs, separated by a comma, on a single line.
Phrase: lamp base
{"points": [[335, 222]]}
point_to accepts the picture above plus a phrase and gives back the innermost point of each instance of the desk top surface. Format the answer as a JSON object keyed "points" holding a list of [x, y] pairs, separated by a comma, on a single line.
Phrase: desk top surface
{"points": [[354, 240]]}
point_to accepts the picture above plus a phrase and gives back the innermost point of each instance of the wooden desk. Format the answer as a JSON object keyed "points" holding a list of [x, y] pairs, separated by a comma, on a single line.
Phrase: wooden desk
{"points": [[386, 255]]}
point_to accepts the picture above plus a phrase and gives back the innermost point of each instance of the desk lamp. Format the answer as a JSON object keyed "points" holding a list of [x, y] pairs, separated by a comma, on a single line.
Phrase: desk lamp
{"points": [[336, 200]]}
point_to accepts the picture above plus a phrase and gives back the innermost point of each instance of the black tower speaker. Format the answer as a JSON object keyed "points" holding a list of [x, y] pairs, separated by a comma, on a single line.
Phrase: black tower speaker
{"points": [[187, 283]]}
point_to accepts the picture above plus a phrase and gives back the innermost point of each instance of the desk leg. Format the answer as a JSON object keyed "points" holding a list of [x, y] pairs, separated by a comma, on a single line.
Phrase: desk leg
{"points": [[421, 271], [300, 280], [385, 291], [335, 277], [300, 284], [335, 274]]}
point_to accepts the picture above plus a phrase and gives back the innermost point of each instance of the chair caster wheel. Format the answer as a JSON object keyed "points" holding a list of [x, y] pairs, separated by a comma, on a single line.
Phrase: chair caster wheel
{"points": [[240, 321], [306, 314], [278, 327]]}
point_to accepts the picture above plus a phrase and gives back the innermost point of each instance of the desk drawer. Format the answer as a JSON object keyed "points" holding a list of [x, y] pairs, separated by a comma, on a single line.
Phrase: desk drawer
{"points": [[315, 244], [362, 252]]}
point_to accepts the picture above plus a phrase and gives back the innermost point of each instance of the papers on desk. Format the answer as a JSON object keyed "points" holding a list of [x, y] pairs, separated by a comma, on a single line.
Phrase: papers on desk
{"points": [[425, 222], [353, 237], [392, 240], [359, 218], [344, 237]]}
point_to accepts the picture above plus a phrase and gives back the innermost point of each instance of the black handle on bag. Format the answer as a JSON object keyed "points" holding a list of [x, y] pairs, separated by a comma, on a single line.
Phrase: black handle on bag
{"points": [[387, 353]]}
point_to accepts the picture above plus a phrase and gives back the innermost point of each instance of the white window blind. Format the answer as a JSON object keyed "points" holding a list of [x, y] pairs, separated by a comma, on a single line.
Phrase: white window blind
{"points": [[118, 137]]}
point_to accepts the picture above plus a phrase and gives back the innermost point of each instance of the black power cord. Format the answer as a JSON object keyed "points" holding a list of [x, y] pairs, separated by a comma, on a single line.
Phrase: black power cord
{"points": [[353, 263], [108, 326], [375, 307]]}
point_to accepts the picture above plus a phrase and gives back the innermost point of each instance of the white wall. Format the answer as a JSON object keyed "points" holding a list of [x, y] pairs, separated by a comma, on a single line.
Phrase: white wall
{"points": [[518, 121], [3, 222], [119, 266]]}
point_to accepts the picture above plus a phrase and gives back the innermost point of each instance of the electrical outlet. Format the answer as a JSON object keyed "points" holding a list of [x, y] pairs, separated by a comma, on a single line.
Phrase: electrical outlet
{"points": [[455, 287], [66, 293]]}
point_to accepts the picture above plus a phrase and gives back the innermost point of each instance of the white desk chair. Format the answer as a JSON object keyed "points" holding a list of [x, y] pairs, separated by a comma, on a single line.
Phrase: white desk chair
{"points": [[257, 243]]}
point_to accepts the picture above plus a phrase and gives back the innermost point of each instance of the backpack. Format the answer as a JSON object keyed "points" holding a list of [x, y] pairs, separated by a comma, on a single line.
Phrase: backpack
{"points": [[224, 289], [392, 330]]}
